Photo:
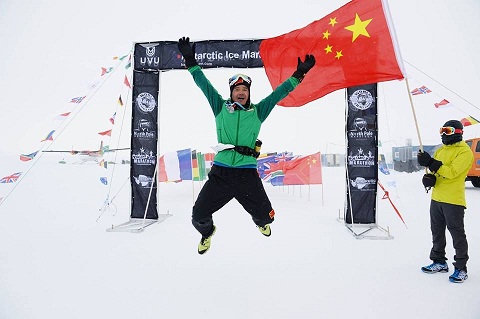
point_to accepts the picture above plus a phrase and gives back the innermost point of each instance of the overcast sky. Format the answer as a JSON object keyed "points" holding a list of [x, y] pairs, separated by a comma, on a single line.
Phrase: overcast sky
{"points": [[51, 51]]}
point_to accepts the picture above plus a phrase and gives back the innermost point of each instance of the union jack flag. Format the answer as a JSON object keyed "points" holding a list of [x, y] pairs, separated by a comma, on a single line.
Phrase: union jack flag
{"points": [[77, 99], [11, 178]]}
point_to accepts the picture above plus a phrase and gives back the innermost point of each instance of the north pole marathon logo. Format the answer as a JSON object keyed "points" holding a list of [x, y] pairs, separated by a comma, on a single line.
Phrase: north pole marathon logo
{"points": [[362, 183], [144, 130], [145, 102], [361, 100], [361, 159], [359, 130], [144, 157]]}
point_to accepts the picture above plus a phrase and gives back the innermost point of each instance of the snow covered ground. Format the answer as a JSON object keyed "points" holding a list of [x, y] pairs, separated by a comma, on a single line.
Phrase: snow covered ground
{"points": [[58, 261]]}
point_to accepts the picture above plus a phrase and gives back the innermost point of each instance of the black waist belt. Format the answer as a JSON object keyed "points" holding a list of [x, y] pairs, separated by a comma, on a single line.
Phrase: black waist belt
{"points": [[245, 150]]}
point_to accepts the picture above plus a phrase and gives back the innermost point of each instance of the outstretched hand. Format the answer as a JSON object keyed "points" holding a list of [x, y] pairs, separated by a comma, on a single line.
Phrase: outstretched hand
{"points": [[187, 51], [304, 66]]}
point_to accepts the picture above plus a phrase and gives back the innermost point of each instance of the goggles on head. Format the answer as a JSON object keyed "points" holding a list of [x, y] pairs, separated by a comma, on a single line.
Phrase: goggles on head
{"points": [[239, 79], [450, 130]]}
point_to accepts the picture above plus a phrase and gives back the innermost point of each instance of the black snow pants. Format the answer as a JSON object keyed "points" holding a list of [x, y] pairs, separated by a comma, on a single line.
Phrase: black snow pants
{"points": [[442, 216], [225, 183]]}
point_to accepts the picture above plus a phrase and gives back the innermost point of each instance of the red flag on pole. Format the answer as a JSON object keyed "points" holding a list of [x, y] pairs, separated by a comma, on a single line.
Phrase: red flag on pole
{"points": [[303, 171], [353, 45]]}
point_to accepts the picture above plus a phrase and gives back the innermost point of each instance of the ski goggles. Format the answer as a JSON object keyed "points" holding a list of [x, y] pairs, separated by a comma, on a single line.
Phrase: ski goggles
{"points": [[450, 130], [239, 79]]}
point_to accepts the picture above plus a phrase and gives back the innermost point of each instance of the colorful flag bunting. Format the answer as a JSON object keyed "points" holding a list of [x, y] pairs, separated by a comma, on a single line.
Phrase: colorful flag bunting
{"points": [[469, 120], [421, 90], [77, 99], [49, 137], [103, 163], [127, 83], [129, 64], [108, 133], [120, 102], [443, 104], [28, 157], [353, 45], [105, 71], [112, 119], [10, 178]]}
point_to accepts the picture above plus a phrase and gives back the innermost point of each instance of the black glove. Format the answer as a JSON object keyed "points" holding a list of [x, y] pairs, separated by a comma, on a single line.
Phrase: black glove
{"points": [[435, 165], [423, 158], [429, 181], [304, 67], [187, 51]]}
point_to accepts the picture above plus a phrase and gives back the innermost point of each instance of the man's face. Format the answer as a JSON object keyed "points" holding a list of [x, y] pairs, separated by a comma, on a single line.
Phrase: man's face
{"points": [[240, 94]]}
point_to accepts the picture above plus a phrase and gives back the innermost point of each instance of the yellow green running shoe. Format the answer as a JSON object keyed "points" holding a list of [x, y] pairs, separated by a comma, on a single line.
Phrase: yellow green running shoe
{"points": [[265, 230], [204, 244]]}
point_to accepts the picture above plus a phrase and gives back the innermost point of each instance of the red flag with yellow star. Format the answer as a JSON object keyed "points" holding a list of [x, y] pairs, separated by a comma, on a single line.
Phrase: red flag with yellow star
{"points": [[353, 45], [303, 171]]}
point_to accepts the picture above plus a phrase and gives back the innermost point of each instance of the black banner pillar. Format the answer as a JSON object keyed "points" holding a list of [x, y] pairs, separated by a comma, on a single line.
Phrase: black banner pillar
{"points": [[144, 144], [362, 154]]}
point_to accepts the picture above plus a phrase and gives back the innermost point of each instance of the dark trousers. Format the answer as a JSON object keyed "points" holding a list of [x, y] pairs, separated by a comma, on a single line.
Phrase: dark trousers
{"points": [[442, 216], [225, 183]]}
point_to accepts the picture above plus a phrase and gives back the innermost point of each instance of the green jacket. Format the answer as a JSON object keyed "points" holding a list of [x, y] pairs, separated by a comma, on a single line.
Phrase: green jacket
{"points": [[450, 186], [239, 127]]}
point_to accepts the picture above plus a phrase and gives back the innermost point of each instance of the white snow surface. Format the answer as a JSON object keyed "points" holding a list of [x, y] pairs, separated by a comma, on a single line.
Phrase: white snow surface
{"points": [[58, 261]]}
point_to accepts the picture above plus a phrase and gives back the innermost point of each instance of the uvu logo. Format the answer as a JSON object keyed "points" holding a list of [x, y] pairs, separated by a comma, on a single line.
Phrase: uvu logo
{"points": [[150, 59]]}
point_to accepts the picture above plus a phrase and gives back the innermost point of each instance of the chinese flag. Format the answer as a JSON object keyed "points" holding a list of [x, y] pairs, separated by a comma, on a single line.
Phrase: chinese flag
{"points": [[303, 171], [353, 45]]}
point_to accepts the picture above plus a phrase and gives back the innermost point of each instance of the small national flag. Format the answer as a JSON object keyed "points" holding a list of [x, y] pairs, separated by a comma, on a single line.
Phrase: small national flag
{"points": [[27, 157], [443, 104], [103, 163], [112, 119], [104, 180], [421, 90], [108, 133], [120, 102], [469, 120], [10, 178], [49, 137], [127, 83], [105, 71], [61, 117], [77, 99], [129, 64]]}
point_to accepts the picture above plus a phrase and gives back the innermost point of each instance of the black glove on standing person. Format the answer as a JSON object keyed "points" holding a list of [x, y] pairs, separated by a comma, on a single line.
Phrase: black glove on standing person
{"points": [[187, 51], [429, 181], [424, 159], [304, 67]]}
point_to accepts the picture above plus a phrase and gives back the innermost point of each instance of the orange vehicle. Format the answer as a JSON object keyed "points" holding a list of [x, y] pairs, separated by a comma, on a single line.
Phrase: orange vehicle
{"points": [[474, 172]]}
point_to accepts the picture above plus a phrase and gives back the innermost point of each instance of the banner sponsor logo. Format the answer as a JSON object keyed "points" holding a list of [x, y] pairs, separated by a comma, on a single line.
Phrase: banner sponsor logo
{"points": [[150, 59], [143, 181], [144, 130], [361, 100], [361, 159], [360, 130], [145, 102], [361, 183], [144, 157]]}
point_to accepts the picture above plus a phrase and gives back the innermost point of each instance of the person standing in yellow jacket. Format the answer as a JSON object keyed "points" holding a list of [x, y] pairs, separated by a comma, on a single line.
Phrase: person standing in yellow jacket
{"points": [[448, 169]]}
